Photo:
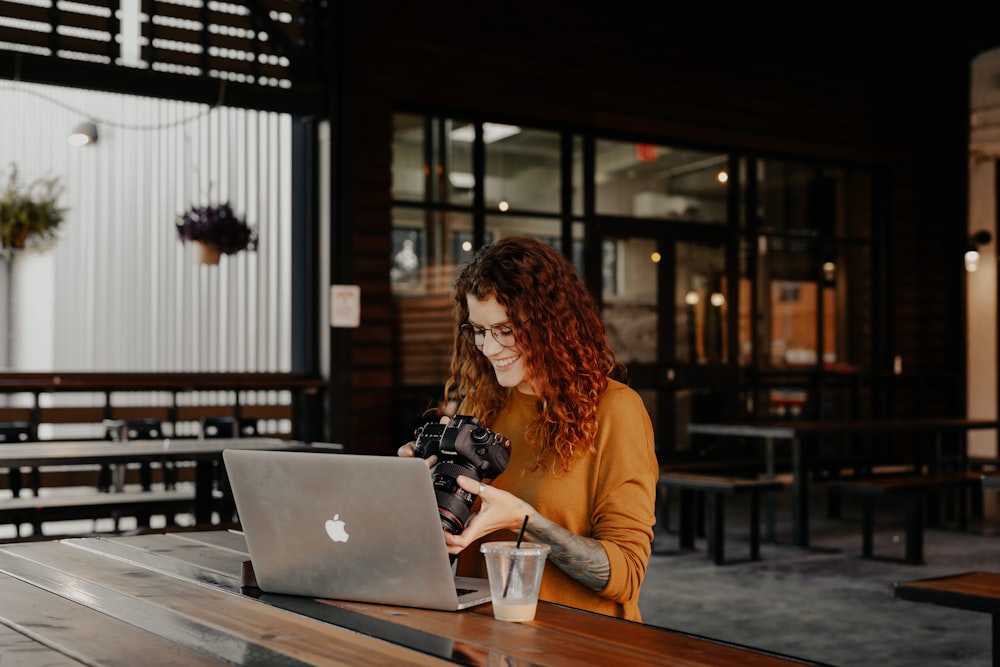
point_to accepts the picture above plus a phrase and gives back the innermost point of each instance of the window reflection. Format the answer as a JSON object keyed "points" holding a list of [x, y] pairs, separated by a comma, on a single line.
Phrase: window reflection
{"points": [[630, 309], [653, 181], [702, 305], [522, 172]]}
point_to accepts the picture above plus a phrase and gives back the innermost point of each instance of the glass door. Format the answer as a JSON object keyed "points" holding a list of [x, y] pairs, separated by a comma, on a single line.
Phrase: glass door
{"points": [[665, 304]]}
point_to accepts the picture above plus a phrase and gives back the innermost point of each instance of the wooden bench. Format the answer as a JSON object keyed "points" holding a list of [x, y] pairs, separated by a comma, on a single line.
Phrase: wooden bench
{"points": [[914, 487], [971, 591], [712, 487], [88, 503]]}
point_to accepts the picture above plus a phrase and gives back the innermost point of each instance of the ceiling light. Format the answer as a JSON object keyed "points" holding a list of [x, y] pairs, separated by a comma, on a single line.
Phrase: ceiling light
{"points": [[83, 134], [980, 238], [491, 132]]}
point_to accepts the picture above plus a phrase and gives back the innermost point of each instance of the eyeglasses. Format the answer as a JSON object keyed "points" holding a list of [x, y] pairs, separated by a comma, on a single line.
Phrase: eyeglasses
{"points": [[503, 334]]}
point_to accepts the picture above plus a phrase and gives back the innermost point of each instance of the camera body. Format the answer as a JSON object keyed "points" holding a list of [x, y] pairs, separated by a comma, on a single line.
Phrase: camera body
{"points": [[463, 447]]}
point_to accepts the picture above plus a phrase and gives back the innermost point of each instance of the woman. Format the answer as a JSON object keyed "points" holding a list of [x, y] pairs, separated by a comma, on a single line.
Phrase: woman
{"points": [[532, 363]]}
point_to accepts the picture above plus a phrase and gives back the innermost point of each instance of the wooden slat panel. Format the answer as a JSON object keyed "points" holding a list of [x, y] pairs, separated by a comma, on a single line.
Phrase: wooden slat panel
{"points": [[15, 414], [196, 412], [425, 333], [218, 40], [29, 382], [70, 415], [164, 55], [189, 13], [43, 39], [141, 412], [267, 411], [23, 12]]}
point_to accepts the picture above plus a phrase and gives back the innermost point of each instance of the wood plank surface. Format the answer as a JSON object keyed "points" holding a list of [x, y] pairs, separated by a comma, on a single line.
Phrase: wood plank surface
{"points": [[57, 629], [558, 636], [972, 591], [564, 636], [17, 648], [202, 618]]}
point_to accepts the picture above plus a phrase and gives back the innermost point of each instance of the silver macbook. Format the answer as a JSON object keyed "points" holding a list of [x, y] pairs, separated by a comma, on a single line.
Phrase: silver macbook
{"points": [[347, 527]]}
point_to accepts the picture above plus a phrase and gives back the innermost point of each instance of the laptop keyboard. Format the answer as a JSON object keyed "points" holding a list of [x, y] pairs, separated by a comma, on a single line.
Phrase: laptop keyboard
{"points": [[464, 591]]}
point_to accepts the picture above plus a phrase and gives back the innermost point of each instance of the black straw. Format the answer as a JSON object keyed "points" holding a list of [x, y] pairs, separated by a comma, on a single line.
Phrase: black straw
{"points": [[520, 534], [510, 572]]}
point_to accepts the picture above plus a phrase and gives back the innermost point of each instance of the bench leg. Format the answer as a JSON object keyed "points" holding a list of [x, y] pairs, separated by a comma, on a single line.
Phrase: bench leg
{"points": [[716, 527], [204, 483], [996, 639], [104, 478], [915, 528], [754, 525], [169, 471], [867, 526], [963, 506], [699, 514], [686, 528], [976, 502], [14, 481]]}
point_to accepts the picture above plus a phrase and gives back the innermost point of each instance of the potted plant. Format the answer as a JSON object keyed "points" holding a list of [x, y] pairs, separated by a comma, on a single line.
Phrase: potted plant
{"points": [[29, 212], [218, 230]]}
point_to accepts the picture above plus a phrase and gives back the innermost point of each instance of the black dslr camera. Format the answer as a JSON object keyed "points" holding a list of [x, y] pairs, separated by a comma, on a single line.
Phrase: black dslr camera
{"points": [[463, 447]]}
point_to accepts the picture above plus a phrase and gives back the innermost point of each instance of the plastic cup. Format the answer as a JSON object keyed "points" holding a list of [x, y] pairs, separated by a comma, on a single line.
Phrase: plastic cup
{"points": [[515, 576]]}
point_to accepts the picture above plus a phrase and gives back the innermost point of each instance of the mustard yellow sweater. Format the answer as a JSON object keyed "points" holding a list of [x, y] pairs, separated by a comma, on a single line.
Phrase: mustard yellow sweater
{"points": [[608, 495]]}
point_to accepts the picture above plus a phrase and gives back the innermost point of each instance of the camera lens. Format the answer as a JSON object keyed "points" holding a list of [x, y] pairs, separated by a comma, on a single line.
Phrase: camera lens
{"points": [[454, 503]]}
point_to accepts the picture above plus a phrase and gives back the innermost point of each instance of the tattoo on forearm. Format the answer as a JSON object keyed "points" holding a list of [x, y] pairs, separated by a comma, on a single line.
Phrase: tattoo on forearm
{"points": [[582, 558]]}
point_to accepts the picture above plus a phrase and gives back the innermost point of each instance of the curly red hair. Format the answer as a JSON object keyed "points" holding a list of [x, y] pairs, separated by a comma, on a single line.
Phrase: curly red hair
{"points": [[560, 336]]}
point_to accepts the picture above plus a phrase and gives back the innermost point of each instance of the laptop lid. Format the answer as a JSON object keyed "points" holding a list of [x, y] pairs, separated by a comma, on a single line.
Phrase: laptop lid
{"points": [[346, 526]]}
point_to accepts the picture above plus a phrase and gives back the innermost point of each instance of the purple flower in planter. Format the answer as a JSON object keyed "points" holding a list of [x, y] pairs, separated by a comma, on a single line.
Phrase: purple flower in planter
{"points": [[218, 226]]}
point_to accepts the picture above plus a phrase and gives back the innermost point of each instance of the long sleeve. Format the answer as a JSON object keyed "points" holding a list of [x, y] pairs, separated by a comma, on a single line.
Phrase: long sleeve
{"points": [[608, 495]]}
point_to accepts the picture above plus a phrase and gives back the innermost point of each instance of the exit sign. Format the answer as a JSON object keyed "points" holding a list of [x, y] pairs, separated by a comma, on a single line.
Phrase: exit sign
{"points": [[646, 152]]}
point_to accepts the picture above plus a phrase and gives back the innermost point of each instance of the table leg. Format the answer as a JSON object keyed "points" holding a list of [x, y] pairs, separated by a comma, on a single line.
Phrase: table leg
{"points": [[686, 528], [800, 495], [716, 521], [770, 508], [204, 474], [996, 640]]}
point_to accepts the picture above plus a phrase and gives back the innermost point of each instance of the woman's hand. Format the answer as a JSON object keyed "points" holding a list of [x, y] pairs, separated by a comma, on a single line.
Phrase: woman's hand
{"points": [[406, 451], [498, 509], [582, 558]]}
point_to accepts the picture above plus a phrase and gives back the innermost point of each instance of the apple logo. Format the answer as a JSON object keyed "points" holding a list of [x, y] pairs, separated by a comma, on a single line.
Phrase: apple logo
{"points": [[335, 529]]}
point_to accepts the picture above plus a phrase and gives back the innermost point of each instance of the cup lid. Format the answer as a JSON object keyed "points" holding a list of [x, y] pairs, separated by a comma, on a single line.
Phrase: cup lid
{"points": [[532, 548]]}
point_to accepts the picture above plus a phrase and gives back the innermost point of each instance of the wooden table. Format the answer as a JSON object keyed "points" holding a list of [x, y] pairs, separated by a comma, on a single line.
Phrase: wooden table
{"points": [[971, 591], [204, 452], [175, 599], [797, 433]]}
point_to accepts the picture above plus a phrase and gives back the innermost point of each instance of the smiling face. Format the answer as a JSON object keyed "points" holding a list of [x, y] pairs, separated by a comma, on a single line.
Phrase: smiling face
{"points": [[508, 362]]}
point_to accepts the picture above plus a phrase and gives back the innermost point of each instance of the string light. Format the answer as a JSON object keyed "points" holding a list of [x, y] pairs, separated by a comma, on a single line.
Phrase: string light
{"points": [[115, 124]]}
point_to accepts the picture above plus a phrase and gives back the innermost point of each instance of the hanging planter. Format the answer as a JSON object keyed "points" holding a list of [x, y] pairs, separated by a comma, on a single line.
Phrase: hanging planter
{"points": [[208, 253], [29, 212], [217, 231]]}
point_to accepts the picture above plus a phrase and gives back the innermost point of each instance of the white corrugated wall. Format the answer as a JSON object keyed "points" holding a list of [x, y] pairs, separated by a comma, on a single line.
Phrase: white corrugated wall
{"points": [[118, 291]]}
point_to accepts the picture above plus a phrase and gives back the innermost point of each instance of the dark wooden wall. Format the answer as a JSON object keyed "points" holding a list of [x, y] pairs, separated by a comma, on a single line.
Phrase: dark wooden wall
{"points": [[834, 87], [828, 82]]}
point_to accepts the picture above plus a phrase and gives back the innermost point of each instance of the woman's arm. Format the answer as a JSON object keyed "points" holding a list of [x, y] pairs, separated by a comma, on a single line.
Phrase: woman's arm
{"points": [[582, 558]]}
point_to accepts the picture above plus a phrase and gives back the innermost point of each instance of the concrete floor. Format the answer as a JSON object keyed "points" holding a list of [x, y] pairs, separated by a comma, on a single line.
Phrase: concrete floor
{"points": [[827, 604]]}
